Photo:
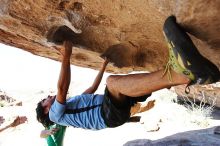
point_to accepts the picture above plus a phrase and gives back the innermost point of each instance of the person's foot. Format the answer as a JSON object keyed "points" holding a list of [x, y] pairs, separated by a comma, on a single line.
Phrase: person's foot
{"points": [[184, 57]]}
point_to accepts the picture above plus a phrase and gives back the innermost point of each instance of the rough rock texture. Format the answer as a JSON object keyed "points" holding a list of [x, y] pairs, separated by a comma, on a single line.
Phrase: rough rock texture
{"points": [[136, 25], [208, 94], [6, 100], [191, 138]]}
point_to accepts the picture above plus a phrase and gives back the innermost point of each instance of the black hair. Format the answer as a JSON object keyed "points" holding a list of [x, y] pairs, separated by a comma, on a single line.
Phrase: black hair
{"points": [[42, 117]]}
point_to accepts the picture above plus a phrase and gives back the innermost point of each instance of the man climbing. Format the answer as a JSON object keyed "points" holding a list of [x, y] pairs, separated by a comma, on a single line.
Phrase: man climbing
{"points": [[93, 111]]}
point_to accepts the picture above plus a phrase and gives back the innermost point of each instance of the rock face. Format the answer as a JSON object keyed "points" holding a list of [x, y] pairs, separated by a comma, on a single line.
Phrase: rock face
{"points": [[6, 100], [191, 138], [134, 25], [134, 28], [209, 94]]}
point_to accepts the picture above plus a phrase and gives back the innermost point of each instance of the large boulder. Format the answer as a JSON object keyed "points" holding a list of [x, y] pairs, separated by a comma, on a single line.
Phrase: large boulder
{"points": [[134, 25], [201, 137], [132, 28], [207, 94]]}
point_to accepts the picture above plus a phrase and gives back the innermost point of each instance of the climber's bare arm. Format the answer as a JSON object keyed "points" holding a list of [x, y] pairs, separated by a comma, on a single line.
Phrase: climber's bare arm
{"points": [[98, 79], [65, 73]]}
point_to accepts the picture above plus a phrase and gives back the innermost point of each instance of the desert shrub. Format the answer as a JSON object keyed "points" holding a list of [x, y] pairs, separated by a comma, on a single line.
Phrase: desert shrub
{"points": [[200, 111]]}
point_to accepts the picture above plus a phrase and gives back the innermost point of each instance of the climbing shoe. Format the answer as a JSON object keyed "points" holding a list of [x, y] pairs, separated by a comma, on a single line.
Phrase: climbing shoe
{"points": [[185, 58]]}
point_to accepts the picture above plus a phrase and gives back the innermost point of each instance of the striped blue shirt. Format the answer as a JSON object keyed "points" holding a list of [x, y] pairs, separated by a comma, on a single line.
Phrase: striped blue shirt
{"points": [[83, 111]]}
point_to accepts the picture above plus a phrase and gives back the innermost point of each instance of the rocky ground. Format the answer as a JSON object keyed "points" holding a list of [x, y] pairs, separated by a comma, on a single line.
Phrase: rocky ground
{"points": [[168, 123]]}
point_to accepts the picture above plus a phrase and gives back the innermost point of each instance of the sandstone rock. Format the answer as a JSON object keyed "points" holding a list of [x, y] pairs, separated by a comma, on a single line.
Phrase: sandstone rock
{"points": [[137, 25], [209, 94], [6, 100]]}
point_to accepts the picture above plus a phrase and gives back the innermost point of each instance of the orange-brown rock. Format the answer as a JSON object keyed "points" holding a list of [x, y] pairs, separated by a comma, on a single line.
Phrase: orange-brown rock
{"points": [[136, 25], [209, 94]]}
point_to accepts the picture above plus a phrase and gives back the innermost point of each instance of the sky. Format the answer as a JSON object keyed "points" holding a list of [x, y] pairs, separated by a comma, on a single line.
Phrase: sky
{"points": [[21, 70]]}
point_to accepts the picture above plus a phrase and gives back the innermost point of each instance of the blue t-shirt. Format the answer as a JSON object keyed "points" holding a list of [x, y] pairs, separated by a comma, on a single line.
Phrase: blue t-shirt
{"points": [[83, 111]]}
